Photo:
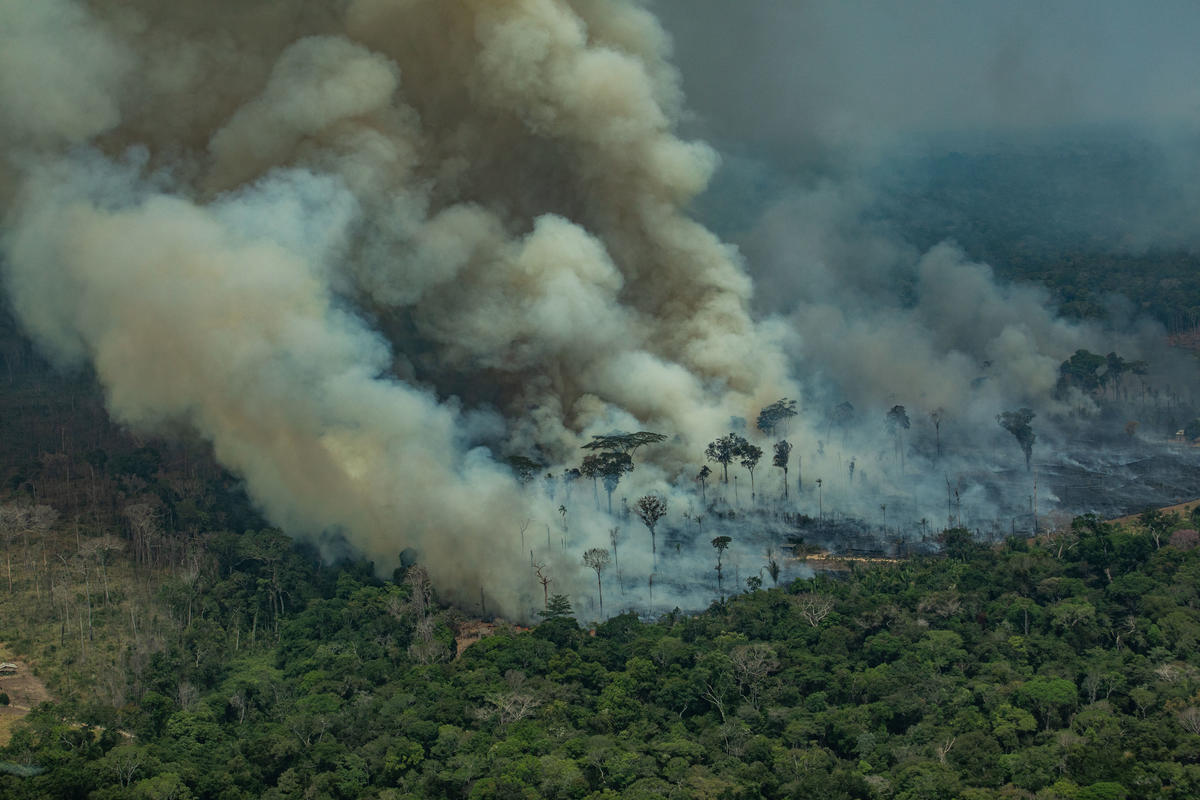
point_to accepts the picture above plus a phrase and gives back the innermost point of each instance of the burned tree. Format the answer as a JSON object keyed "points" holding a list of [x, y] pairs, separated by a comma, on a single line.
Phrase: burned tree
{"points": [[936, 416], [897, 423], [614, 534], [1017, 423], [720, 544], [772, 566], [650, 509], [702, 479], [545, 580], [597, 560], [783, 450]]}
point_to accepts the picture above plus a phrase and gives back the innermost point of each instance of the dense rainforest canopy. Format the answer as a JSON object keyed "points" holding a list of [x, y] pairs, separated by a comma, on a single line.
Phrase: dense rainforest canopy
{"points": [[1062, 668]]}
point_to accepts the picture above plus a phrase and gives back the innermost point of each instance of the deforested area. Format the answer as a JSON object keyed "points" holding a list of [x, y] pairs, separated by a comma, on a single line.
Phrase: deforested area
{"points": [[591, 398]]}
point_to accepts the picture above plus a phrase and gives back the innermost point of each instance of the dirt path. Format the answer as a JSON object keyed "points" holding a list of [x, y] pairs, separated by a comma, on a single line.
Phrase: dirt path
{"points": [[24, 691]]}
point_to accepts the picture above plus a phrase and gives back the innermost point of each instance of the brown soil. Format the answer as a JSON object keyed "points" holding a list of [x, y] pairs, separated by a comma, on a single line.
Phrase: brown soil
{"points": [[1183, 510], [25, 691]]}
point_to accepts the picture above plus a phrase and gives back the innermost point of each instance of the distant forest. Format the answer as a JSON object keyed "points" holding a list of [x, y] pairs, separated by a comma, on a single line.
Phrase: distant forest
{"points": [[1088, 220]]}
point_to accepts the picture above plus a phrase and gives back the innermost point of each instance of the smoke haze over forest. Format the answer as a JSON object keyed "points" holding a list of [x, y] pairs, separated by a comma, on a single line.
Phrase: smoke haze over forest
{"points": [[371, 249]]}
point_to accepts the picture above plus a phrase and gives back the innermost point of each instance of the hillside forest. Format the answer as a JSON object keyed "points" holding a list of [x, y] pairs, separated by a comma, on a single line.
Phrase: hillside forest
{"points": [[194, 652]]}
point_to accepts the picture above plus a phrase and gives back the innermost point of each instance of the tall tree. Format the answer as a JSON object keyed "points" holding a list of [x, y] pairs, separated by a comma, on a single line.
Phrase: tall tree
{"points": [[608, 467], [650, 509], [723, 451], [545, 580], [720, 544], [1081, 371], [612, 467], [749, 456], [777, 413], [936, 416], [597, 559], [897, 424], [614, 534], [702, 479], [592, 467], [783, 451], [1017, 423]]}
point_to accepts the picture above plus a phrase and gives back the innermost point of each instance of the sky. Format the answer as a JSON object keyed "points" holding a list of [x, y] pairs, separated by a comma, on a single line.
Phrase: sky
{"points": [[798, 79]]}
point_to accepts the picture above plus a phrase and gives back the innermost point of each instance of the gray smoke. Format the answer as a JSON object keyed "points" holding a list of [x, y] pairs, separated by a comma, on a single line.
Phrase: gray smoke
{"points": [[828, 107]]}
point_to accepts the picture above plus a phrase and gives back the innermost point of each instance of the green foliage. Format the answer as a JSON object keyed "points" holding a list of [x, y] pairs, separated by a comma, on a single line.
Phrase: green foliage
{"points": [[1045, 670]]}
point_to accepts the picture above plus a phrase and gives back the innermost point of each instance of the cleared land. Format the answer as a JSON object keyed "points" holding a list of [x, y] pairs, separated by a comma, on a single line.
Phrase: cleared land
{"points": [[24, 689]]}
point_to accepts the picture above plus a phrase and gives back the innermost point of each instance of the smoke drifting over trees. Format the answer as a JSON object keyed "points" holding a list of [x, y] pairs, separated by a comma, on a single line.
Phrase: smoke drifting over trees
{"points": [[353, 242], [374, 249]]}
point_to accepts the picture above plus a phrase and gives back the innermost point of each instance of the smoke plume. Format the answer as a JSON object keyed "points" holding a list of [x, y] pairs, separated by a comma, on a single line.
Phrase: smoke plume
{"points": [[371, 248]]}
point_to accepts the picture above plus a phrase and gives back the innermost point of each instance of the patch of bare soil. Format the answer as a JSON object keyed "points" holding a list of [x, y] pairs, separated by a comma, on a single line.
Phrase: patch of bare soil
{"points": [[1183, 510], [24, 690]]}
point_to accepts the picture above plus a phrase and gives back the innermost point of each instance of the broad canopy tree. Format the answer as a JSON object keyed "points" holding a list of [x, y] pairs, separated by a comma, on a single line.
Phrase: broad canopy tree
{"points": [[612, 457], [774, 415]]}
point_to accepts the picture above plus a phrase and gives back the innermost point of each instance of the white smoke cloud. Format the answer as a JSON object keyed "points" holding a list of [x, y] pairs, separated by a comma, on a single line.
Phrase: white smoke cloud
{"points": [[495, 186], [371, 248]]}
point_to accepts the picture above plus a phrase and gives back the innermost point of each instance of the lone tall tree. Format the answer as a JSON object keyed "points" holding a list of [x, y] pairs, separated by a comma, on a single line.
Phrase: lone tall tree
{"points": [[597, 559], [783, 451], [936, 416], [897, 424], [650, 509], [1017, 423], [720, 544], [702, 479]]}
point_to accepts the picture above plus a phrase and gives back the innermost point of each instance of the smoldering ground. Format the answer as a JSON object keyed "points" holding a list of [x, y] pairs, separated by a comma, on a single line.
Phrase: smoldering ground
{"points": [[372, 248]]}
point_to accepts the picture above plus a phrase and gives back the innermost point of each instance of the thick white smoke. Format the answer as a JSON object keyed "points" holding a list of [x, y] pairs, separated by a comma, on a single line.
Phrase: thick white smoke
{"points": [[372, 248], [350, 242]]}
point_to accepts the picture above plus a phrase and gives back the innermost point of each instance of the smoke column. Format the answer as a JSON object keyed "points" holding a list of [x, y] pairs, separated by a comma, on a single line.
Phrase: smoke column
{"points": [[372, 248], [352, 243]]}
